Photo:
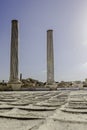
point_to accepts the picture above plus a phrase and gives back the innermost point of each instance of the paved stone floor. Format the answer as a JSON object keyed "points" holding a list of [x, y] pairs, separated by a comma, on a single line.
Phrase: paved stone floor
{"points": [[43, 110], [28, 110]]}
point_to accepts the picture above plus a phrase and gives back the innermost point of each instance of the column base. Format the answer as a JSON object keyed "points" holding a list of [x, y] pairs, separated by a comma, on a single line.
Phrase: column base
{"points": [[15, 85], [52, 86]]}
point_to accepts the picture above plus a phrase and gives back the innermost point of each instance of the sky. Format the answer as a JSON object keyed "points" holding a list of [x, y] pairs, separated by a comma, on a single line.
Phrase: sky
{"points": [[67, 19]]}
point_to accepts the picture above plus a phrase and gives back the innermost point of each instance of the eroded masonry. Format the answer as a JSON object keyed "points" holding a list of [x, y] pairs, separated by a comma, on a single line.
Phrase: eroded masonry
{"points": [[14, 81]]}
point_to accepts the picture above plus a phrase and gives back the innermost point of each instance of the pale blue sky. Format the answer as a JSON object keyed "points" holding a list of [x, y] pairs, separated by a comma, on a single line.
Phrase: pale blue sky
{"points": [[68, 19]]}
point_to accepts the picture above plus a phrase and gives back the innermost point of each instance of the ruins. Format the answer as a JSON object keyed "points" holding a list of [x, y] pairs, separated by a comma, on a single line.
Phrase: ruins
{"points": [[64, 109], [50, 58], [14, 82]]}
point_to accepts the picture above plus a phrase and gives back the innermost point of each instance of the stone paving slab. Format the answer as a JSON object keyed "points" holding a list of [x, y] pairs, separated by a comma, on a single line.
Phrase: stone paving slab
{"points": [[21, 110], [70, 116], [15, 124], [21, 114]]}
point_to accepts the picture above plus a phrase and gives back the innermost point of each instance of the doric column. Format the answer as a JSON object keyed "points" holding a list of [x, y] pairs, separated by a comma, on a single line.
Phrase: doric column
{"points": [[50, 57]]}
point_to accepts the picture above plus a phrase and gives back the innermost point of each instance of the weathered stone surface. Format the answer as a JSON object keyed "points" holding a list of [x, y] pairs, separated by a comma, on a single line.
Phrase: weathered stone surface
{"points": [[14, 58], [64, 84], [72, 115], [77, 102], [69, 113], [50, 57], [30, 105], [29, 82], [14, 52]]}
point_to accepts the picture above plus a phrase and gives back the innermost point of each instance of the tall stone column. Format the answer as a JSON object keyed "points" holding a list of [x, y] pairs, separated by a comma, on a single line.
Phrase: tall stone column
{"points": [[50, 57], [14, 81]]}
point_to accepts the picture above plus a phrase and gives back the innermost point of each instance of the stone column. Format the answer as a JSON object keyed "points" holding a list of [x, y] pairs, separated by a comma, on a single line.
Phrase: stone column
{"points": [[50, 58], [14, 81]]}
